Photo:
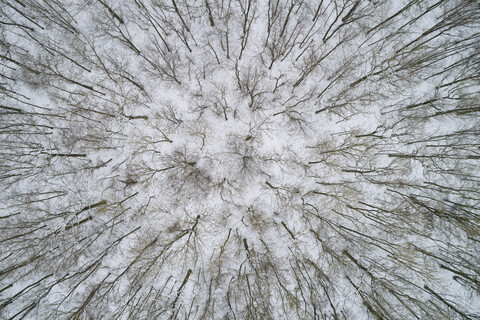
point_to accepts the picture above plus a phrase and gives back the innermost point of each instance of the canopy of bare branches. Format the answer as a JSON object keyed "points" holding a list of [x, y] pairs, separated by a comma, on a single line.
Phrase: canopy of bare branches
{"points": [[239, 159]]}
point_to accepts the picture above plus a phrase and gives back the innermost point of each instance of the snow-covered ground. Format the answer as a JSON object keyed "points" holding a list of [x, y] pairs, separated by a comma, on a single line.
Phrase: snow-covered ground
{"points": [[239, 159]]}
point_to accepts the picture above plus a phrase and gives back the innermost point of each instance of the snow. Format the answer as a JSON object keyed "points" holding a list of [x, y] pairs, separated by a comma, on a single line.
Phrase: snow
{"points": [[335, 195]]}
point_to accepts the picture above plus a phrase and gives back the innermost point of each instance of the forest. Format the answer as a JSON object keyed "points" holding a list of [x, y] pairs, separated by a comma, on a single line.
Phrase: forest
{"points": [[240, 159]]}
